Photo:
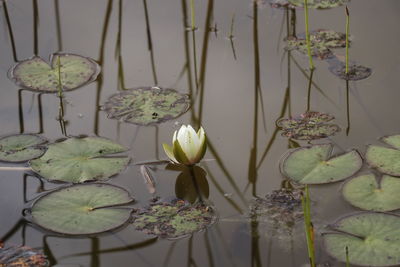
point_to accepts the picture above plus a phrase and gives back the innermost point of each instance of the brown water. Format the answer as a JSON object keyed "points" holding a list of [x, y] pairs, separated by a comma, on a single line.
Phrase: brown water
{"points": [[91, 28]]}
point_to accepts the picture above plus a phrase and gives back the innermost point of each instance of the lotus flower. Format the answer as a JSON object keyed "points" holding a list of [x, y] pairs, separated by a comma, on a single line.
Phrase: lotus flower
{"points": [[188, 147]]}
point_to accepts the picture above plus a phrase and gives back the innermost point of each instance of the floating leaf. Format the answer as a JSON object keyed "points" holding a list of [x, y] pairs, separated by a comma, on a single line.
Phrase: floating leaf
{"points": [[188, 187], [313, 165], [82, 209], [386, 160], [322, 41], [22, 256], [308, 126], [280, 207], [356, 72], [366, 193], [173, 219], [21, 147], [373, 239], [37, 75], [78, 160], [146, 105], [318, 4]]}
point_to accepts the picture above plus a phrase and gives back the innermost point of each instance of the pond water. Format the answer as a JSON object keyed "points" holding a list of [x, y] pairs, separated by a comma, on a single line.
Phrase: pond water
{"points": [[245, 83]]}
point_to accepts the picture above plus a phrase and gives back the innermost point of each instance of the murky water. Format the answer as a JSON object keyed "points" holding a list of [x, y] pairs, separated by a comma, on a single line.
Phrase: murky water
{"points": [[147, 43]]}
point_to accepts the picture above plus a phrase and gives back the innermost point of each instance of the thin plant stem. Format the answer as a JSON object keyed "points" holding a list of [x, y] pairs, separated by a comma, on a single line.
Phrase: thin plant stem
{"points": [[35, 27], [10, 31], [308, 227], [231, 37], [150, 42], [347, 39], [347, 257], [60, 96], [310, 60], [348, 107], [193, 30], [309, 90]]}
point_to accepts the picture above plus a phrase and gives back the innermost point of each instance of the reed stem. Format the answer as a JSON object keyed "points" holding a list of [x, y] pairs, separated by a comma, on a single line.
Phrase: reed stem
{"points": [[310, 60], [308, 226], [347, 39]]}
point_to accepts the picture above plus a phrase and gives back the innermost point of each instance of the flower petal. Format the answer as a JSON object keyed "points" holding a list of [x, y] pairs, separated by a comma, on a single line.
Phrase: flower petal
{"points": [[169, 152], [179, 154], [203, 145]]}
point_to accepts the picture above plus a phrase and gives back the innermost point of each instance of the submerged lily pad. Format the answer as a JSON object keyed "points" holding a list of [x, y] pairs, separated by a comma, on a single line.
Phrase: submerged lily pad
{"points": [[146, 105], [319, 4], [280, 207], [308, 126], [22, 256], [78, 160], [21, 147], [356, 72], [173, 219], [82, 209], [386, 160], [366, 193], [373, 239], [37, 75], [322, 41], [313, 165]]}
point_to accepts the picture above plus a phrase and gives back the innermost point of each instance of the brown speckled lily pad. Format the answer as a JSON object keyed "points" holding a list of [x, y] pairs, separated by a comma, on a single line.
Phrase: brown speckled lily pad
{"points": [[38, 75], [22, 256], [356, 72], [322, 41], [173, 219], [308, 126], [146, 105], [318, 4]]}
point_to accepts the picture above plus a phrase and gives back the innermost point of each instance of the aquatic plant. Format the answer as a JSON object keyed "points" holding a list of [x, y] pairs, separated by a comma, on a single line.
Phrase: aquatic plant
{"points": [[82, 209], [37, 75], [21, 147], [146, 105], [308, 42], [385, 159], [355, 72], [372, 238], [314, 165], [78, 160], [308, 226], [22, 256], [188, 147], [369, 193]]}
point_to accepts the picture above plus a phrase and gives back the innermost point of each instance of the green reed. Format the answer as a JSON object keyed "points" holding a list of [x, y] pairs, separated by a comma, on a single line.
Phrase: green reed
{"points": [[347, 257], [310, 60], [308, 226], [347, 39]]}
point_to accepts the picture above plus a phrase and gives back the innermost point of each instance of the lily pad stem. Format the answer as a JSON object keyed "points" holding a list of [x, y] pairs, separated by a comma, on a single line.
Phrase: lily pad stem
{"points": [[310, 60], [196, 186]]}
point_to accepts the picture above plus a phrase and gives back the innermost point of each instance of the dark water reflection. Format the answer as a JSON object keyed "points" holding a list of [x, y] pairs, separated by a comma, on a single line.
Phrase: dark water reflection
{"points": [[243, 86]]}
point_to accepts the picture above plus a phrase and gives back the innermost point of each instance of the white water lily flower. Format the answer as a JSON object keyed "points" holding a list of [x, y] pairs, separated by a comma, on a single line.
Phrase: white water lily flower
{"points": [[188, 147]]}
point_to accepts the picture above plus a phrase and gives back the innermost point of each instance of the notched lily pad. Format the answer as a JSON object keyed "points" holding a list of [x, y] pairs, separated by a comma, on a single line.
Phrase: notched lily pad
{"points": [[37, 75], [22, 256], [373, 239], [384, 159], [146, 105], [21, 147], [282, 208], [308, 126], [173, 219], [356, 72], [319, 4], [82, 209], [322, 41], [368, 193], [77, 160], [314, 165]]}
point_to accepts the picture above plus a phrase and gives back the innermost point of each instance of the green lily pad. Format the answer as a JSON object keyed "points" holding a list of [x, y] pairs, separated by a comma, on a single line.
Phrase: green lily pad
{"points": [[37, 75], [21, 147], [322, 41], [356, 72], [366, 193], [173, 219], [77, 160], [386, 160], [22, 256], [146, 105], [82, 209], [373, 239], [308, 126], [313, 165], [319, 4]]}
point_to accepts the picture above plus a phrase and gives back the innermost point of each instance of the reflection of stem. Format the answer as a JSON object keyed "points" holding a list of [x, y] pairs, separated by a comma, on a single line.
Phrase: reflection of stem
{"points": [[169, 254], [305, 201], [95, 259], [21, 111], [118, 50], [193, 30], [35, 27], [231, 36], [347, 107], [347, 39], [40, 112], [156, 142], [293, 22], [309, 90], [208, 249], [47, 251], [10, 31], [255, 249], [210, 10], [61, 96], [195, 184], [13, 230], [58, 24], [150, 42]]}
